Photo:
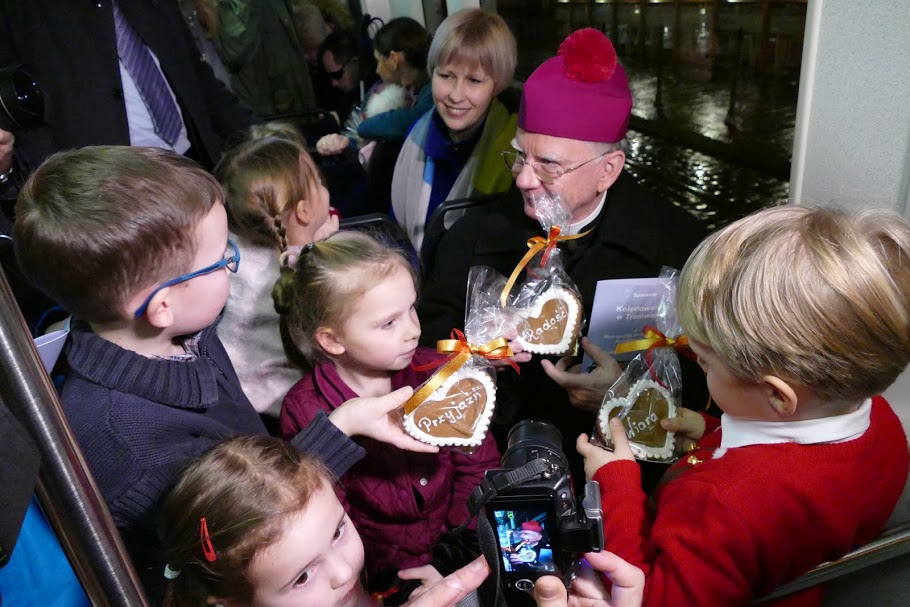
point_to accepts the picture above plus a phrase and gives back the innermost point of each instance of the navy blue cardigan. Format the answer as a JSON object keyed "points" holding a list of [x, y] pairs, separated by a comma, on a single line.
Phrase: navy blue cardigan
{"points": [[139, 421]]}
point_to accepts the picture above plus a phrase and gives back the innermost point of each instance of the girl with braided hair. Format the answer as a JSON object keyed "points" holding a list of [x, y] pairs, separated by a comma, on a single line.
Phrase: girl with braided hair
{"points": [[276, 203]]}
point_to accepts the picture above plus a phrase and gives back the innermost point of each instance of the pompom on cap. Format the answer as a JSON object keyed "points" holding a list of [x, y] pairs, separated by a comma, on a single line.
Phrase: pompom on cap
{"points": [[589, 56], [582, 93]]}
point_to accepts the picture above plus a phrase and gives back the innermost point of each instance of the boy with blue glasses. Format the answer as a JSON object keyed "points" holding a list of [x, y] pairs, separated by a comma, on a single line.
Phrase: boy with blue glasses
{"points": [[105, 231]]}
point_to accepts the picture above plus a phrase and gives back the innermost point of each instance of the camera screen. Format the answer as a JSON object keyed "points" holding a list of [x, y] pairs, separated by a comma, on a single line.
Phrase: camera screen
{"points": [[524, 540]]}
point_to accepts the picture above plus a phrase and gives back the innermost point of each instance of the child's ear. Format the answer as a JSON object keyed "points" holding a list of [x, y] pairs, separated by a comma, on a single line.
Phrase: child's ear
{"points": [[160, 313], [781, 395], [328, 341], [302, 212]]}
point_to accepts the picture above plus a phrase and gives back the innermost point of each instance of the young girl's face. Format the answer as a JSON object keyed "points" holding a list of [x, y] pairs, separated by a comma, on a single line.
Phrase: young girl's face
{"points": [[315, 563], [381, 330]]}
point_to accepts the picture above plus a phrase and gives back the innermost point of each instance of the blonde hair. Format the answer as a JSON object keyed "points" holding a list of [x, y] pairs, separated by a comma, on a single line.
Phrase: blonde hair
{"points": [[246, 488], [815, 296], [331, 275], [476, 37], [263, 178]]}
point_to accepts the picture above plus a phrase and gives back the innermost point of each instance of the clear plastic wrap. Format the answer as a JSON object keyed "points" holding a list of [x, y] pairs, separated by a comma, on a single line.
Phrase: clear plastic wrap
{"points": [[650, 386], [548, 302], [453, 408]]}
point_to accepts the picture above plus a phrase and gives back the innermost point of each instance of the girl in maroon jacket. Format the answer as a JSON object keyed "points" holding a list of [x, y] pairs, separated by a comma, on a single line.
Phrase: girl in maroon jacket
{"points": [[352, 314]]}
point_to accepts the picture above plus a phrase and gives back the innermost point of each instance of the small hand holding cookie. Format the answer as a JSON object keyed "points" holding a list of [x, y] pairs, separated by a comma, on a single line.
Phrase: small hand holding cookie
{"points": [[586, 390], [687, 424], [369, 416], [330, 145], [518, 355], [597, 457]]}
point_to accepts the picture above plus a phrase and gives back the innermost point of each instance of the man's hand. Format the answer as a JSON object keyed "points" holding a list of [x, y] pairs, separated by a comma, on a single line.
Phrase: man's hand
{"points": [[597, 457], [586, 390], [330, 145], [518, 355], [589, 591], [6, 150], [452, 588], [428, 576], [370, 417]]}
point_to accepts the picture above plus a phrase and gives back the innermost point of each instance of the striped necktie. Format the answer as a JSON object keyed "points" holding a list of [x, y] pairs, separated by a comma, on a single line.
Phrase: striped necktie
{"points": [[141, 66]]}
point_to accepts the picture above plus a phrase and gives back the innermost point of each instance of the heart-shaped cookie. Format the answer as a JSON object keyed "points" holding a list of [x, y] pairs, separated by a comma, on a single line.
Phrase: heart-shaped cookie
{"points": [[551, 323], [650, 403], [457, 413]]}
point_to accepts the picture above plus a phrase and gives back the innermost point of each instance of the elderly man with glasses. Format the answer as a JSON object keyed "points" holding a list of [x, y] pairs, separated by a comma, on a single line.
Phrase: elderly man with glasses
{"points": [[570, 142]]}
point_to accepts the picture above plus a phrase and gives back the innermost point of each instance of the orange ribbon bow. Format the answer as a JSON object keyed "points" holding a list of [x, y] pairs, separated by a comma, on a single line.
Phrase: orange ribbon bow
{"points": [[535, 245], [461, 350]]}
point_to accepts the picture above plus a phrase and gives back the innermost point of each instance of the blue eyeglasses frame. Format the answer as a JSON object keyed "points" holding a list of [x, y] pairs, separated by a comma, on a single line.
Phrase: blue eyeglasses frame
{"points": [[224, 263]]}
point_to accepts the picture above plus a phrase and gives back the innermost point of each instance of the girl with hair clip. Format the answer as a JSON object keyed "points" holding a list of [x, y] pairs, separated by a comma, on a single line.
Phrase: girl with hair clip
{"points": [[351, 311], [254, 522], [276, 203]]}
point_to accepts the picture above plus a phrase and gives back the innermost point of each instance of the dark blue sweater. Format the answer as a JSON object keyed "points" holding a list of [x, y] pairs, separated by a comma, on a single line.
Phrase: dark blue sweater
{"points": [[139, 421]]}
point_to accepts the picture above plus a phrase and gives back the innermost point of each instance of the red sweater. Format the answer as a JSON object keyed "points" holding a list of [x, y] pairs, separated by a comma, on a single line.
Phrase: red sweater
{"points": [[731, 529], [401, 502]]}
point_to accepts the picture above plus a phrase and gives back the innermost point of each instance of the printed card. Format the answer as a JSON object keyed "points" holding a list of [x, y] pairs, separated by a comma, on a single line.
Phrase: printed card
{"points": [[621, 308]]}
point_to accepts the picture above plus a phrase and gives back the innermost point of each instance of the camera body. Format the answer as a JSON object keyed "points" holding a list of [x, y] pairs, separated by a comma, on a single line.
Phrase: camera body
{"points": [[540, 526]]}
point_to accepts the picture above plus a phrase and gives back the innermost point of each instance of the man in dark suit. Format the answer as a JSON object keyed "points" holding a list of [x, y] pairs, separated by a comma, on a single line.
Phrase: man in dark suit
{"points": [[570, 143], [72, 48]]}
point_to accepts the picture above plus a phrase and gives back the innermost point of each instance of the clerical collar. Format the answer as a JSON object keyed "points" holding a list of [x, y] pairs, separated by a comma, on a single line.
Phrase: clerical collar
{"points": [[578, 227], [835, 429]]}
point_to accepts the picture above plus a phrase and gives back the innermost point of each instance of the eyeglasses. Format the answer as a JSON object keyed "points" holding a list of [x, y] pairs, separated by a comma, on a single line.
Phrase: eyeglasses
{"points": [[339, 73], [546, 172], [232, 263]]}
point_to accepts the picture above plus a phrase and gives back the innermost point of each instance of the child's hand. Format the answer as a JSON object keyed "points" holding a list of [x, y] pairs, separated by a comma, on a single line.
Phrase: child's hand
{"points": [[597, 457], [688, 423], [369, 416], [329, 145], [328, 228], [428, 576]]}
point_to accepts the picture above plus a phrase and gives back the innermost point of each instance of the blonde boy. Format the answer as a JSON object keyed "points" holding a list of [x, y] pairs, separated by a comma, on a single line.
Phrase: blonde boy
{"points": [[134, 243], [799, 317]]}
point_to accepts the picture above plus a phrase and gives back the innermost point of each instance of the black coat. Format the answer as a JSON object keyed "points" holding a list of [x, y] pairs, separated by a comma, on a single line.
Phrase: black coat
{"points": [[635, 235], [72, 49]]}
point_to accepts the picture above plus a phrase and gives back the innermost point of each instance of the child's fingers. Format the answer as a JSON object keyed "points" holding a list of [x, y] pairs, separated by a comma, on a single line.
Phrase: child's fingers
{"points": [[393, 400], [620, 440], [584, 446]]}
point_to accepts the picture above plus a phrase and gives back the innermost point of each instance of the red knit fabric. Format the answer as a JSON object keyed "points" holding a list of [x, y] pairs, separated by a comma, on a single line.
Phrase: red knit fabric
{"points": [[731, 529]]}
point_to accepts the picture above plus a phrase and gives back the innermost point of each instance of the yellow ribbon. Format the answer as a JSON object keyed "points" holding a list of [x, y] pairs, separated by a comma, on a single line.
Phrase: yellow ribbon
{"points": [[535, 245], [461, 351], [653, 339]]}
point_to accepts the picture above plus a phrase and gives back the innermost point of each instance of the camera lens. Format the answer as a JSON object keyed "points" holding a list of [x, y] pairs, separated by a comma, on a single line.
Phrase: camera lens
{"points": [[529, 439], [21, 100]]}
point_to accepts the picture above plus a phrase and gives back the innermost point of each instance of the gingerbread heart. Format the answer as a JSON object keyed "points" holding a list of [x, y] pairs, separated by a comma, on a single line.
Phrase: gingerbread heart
{"points": [[552, 322], [457, 413], [641, 411]]}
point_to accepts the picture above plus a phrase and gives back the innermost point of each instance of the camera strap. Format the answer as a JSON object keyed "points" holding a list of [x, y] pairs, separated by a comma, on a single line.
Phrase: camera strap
{"points": [[489, 593]]}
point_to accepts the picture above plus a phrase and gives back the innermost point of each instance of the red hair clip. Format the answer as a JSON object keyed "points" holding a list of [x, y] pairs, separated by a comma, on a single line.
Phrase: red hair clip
{"points": [[207, 549]]}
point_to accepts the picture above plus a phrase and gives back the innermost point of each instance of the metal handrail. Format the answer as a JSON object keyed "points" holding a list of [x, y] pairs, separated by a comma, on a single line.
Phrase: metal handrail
{"points": [[891, 544], [66, 490]]}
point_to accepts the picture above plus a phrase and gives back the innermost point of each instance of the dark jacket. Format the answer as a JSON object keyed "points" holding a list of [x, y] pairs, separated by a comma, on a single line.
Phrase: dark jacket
{"points": [[633, 237], [72, 50], [139, 421], [401, 502]]}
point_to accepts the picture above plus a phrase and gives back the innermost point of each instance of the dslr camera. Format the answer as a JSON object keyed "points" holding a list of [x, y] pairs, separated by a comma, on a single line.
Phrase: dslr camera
{"points": [[539, 526]]}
